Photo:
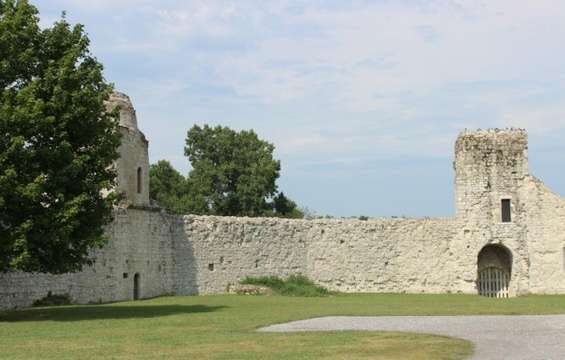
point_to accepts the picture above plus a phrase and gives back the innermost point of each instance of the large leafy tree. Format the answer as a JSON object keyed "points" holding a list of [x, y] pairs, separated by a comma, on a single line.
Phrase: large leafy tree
{"points": [[57, 144], [233, 173], [170, 189]]}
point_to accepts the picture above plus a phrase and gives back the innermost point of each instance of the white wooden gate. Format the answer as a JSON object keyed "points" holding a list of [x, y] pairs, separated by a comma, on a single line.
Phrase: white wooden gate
{"points": [[493, 282]]}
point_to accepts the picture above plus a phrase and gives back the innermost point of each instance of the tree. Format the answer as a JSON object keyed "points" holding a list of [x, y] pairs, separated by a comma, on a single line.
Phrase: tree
{"points": [[168, 187], [233, 173], [284, 207], [57, 144]]}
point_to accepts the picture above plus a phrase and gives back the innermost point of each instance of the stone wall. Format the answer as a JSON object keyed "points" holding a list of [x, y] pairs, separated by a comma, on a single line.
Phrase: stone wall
{"points": [[386, 255], [213, 252], [188, 255], [545, 239], [140, 242]]}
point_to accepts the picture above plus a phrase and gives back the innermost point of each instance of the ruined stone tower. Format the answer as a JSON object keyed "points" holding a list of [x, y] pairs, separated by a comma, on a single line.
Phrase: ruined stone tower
{"points": [[490, 166], [133, 164]]}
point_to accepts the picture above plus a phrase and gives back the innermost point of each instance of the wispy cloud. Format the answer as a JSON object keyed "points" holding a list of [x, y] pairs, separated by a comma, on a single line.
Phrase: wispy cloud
{"points": [[333, 81]]}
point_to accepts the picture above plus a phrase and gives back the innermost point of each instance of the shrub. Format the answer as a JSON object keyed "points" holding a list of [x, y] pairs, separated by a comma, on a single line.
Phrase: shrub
{"points": [[53, 300], [294, 285]]}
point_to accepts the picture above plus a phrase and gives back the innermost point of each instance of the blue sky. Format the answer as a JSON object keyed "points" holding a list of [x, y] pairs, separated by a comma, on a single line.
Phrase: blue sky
{"points": [[362, 99]]}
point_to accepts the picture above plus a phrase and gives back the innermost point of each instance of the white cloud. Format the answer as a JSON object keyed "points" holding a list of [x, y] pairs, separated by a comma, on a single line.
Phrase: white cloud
{"points": [[394, 58], [496, 42], [334, 82], [536, 120]]}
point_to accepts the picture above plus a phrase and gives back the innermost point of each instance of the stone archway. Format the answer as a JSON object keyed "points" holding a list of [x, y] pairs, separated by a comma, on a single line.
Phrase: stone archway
{"points": [[494, 269]]}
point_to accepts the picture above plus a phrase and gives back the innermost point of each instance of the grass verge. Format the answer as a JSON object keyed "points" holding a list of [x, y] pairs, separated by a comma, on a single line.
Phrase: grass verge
{"points": [[223, 327]]}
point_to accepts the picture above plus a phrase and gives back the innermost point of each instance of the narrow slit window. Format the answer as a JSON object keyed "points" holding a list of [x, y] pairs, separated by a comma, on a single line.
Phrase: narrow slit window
{"points": [[139, 180], [506, 211]]}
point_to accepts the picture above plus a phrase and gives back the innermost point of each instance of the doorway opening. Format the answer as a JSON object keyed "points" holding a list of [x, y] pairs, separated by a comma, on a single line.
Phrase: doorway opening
{"points": [[494, 268], [136, 287]]}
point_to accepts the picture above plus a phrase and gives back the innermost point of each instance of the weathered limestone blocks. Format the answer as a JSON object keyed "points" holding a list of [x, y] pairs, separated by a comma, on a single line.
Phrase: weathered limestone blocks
{"points": [[382, 255], [489, 165], [545, 238], [224, 250], [140, 243]]}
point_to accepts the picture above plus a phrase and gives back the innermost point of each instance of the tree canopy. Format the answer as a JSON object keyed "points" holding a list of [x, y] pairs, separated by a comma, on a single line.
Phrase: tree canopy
{"points": [[57, 144], [233, 174], [169, 188]]}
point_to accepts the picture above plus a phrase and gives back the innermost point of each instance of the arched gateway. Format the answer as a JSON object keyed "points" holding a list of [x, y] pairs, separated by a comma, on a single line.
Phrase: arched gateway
{"points": [[494, 267]]}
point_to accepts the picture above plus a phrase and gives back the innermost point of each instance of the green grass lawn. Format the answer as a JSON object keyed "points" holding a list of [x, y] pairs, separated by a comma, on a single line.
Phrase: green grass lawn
{"points": [[223, 327]]}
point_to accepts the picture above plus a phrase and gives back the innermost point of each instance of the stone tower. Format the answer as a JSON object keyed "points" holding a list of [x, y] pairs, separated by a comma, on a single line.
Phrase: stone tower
{"points": [[491, 169], [133, 164], [490, 165]]}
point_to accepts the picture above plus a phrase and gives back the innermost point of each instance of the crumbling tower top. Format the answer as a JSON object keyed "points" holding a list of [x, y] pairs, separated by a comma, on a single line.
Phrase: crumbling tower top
{"points": [[128, 117], [489, 166], [133, 164]]}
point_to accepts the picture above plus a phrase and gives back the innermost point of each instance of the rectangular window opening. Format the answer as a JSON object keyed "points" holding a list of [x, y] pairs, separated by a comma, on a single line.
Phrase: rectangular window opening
{"points": [[506, 211]]}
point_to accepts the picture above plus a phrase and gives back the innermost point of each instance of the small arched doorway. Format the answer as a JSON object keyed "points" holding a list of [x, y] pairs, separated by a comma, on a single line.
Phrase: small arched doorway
{"points": [[136, 289], [494, 267]]}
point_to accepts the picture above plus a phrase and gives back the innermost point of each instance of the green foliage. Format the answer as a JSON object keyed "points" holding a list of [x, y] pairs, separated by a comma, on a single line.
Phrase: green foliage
{"points": [[169, 188], [294, 285], [57, 144], [363, 218], [233, 174], [53, 300], [284, 207]]}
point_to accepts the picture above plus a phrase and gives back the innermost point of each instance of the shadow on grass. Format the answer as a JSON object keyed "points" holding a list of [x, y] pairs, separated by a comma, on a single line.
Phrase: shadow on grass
{"points": [[103, 312]]}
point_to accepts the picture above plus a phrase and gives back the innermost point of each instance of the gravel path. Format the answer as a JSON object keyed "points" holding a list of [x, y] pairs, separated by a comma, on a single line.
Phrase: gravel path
{"points": [[495, 337]]}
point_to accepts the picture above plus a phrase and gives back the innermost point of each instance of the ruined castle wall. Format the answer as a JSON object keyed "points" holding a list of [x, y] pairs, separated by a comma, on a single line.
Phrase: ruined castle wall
{"points": [[392, 255], [397, 255], [546, 239], [384, 255], [187, 255], [213, 252], [140, 242]]}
